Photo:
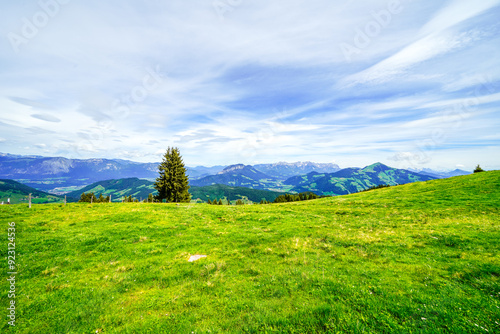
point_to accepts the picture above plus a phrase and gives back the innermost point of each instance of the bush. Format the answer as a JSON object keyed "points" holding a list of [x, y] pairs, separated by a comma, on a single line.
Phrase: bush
{"points": [[292, 198], [478, 169]]}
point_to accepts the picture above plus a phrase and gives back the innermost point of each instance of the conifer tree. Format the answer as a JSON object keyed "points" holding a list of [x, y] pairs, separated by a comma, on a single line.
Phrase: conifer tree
{"points": [[220, 201], [172, 184]]}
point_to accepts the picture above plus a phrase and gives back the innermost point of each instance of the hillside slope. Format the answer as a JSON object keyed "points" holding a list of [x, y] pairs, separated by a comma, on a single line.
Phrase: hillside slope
{"points": [[18, 193], [417, 258]]}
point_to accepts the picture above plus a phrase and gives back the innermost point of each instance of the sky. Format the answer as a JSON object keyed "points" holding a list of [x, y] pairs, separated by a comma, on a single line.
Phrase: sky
{"points": [[412, 84]]}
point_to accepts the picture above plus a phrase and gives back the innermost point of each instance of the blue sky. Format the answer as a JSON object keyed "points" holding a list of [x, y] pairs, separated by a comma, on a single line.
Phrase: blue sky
{"points": [[407, 83]]}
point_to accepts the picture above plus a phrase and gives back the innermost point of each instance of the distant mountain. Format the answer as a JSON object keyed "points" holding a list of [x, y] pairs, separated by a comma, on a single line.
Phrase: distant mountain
{"points": [[198, 172], [284, 170], [59, 175], [18, 193], [53, 174], [351, 180], [456, 172], [238, 176], [440, 174]]}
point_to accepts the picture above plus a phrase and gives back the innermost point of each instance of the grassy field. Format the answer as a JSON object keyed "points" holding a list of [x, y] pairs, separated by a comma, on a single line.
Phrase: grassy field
{"points": [[417, 258]]}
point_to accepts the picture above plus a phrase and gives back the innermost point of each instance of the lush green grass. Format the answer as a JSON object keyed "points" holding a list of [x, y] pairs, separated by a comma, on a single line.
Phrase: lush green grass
{"points": [[418, 258]]}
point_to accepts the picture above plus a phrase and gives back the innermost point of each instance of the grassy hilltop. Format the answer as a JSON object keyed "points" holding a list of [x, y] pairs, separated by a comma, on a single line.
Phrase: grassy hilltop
{"points": [[418, 258]]}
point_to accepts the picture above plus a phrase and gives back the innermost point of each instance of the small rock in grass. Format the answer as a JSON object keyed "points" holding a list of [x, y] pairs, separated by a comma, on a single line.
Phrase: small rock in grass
{"points": [[196, 257]]}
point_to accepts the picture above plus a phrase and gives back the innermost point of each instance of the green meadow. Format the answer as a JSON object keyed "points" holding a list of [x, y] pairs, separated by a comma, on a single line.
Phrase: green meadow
{"points": [[417, 258]]}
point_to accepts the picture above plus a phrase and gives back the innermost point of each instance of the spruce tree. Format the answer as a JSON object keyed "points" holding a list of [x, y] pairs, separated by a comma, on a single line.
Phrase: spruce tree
{"points": [[172, 184]]}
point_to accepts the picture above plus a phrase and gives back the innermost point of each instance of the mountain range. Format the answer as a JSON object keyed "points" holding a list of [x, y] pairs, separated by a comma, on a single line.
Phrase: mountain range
{"points": [[239, 176], [59, 175], [284, 170], [440, 174], [351, 180], [344, 181]]}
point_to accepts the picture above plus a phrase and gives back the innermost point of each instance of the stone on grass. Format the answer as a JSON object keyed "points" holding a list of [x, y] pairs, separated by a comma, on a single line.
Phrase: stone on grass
{"points": [[196, 257]]}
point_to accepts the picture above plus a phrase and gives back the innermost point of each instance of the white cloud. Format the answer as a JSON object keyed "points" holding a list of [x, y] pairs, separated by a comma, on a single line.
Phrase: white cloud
{"points": [[456, 12], [424, 49], [266, 83]]}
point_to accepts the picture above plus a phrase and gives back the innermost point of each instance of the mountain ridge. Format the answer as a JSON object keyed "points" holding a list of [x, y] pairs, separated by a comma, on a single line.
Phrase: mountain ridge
{"points": [[62, 175], [237, 175], [350, 180]]}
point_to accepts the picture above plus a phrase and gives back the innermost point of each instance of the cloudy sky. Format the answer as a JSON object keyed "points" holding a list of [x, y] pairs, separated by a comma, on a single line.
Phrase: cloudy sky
{"points": [[407, 83]]}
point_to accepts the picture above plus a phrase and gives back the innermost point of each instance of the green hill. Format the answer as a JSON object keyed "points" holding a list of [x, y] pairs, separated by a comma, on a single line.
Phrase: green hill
{"points": [[417, 258], [18, 193], [351, 180]]}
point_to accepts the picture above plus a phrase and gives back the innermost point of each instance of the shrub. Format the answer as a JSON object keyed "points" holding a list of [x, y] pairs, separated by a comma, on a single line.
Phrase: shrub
{"points": [[478, 169]]}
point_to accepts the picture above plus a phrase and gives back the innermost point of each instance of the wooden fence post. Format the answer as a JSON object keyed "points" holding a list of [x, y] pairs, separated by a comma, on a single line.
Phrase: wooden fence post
{"points": [[30, 201]]}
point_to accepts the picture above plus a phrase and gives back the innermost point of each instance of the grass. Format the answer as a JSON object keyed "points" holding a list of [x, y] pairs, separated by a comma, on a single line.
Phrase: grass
{"points": [[417, 258]]}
